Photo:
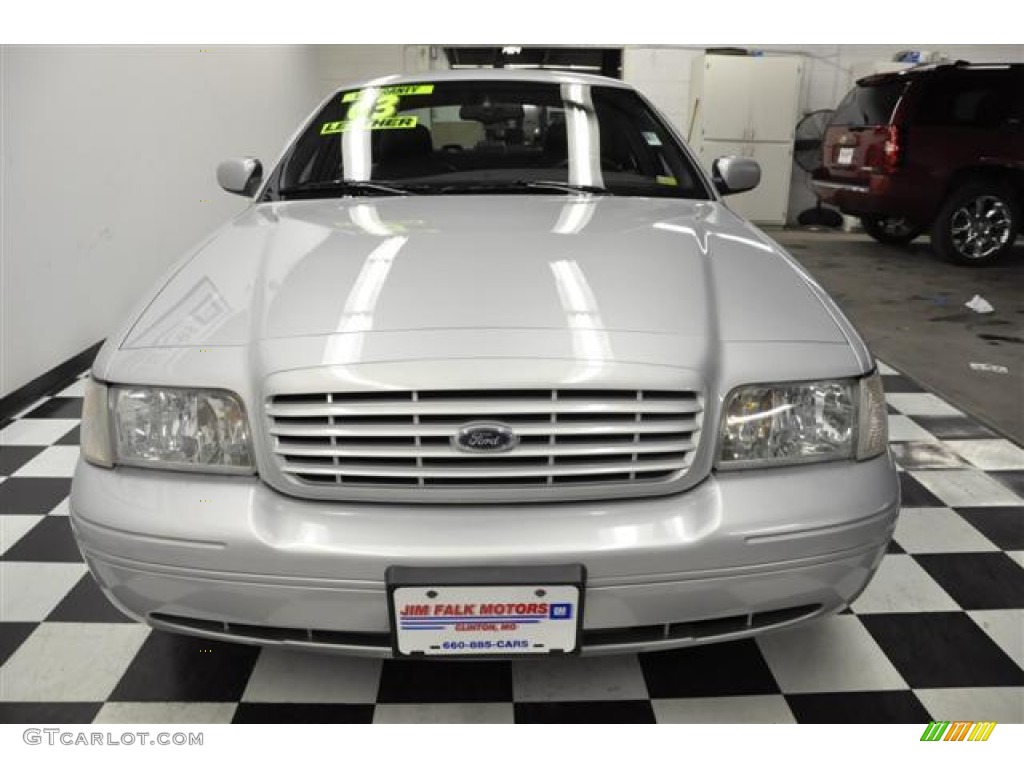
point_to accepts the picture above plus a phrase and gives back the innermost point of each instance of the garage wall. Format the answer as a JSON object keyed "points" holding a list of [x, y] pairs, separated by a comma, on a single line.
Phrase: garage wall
{"points": [[338, 64], [663, 73], [108, 157]]}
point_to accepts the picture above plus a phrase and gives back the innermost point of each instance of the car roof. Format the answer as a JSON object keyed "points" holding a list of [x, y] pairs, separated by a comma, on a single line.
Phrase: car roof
{"points": [[493, 75], [921, 70]]}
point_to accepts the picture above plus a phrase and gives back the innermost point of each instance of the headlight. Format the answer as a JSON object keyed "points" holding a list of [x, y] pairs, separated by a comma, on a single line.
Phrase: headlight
{"points": [[190, 429], [773, 424]]}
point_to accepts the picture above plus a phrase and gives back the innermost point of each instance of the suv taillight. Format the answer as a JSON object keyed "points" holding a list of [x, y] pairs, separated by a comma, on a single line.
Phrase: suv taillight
{"points": [[884, 150], [891, 149]]}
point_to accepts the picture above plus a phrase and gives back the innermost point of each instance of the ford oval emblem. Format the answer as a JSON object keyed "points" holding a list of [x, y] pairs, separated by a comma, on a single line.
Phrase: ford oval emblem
{"points": [[485, 437]]}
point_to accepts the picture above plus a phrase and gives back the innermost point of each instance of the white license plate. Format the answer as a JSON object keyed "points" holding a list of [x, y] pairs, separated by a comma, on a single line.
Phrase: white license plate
{"points": [[845, 156], [486, 620]]}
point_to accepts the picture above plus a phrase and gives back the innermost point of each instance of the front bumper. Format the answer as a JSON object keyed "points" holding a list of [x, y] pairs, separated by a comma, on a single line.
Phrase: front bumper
{"points": [[230, 557]]}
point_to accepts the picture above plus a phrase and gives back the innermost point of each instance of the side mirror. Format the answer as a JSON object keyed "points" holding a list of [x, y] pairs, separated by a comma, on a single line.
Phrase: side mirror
{"points": [[240, 175], [735, 174]]}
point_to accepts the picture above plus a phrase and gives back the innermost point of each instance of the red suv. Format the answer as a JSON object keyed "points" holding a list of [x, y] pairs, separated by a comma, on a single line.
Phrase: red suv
{"points": [[936, 146]]}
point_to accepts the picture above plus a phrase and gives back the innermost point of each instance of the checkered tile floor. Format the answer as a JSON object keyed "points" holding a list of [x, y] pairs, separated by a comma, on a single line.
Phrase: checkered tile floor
{"points": [[937, 635]]}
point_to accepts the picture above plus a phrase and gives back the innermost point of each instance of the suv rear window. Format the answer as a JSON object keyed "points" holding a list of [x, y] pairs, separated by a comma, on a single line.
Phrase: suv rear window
{"points": [[870, 104], [984, 98]]}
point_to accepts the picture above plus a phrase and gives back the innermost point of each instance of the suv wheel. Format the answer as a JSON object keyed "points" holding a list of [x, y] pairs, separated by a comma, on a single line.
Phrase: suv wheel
{"points": [[891, 230], [977, 225]]}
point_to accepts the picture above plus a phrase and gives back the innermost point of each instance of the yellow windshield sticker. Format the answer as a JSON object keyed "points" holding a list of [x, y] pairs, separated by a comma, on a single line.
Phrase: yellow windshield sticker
{"points": [[384, 106], [381, 124], [667, 180], [392, 90]]}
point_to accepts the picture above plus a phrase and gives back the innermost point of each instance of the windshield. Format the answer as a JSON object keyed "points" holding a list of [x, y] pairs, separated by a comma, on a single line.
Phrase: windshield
{"points": [[485, 137]]}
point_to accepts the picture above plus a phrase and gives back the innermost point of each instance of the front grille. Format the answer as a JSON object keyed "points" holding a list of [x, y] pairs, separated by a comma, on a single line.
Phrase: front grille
{"points": [[404, 439]]}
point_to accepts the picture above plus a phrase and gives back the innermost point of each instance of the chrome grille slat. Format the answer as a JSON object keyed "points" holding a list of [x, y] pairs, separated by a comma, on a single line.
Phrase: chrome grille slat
{"points": [[575, 440], [540, 470], [469, 409], [427, 451], [530, 428]]}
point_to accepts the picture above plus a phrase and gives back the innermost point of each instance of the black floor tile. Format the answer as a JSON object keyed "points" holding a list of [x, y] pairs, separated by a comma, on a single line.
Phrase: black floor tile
{"points": [[1003, 526], [627, 711], [57, 408], [894, 549], [178, 668], [14, 457], [954, 427], [12, 635], [303, 713], [942, 650], [32, 495], [858, 707], [913, 494], [87, 603], [423, 682], [73, 437], [48, 713], [1012, 479], [977, 580], [49, 541], [721, 669], [900, 384], [890, 410]]}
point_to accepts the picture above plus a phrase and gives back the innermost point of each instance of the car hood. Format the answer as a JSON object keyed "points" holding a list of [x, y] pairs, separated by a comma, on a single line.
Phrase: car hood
{"points": [[655, 280]]}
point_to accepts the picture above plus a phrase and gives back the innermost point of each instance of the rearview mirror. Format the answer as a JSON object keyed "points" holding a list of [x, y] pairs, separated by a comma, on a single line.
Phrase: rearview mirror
{"points": [[240, 175], [735, 174]]}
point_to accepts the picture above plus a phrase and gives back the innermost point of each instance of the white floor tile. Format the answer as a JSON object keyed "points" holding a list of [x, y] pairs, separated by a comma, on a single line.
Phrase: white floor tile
{"points": [[491, 712], [885, 370], [282, 675], [1006, 628], [36, 431], [579, 679], [831, 655], [938, 529], [13, 527], [926, 454], [903, 586], [55, 461], [903, 429], [921, 404], [966, 488], [70, 662], [1002, 705], [61, 510], [1018, 556], [75, 390], [724, 709], [989, 454], [29, 591], [172, 712]]}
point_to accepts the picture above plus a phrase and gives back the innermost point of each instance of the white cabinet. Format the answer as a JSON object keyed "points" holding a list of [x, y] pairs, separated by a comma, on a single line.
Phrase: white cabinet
{"points": [[748, 105]]}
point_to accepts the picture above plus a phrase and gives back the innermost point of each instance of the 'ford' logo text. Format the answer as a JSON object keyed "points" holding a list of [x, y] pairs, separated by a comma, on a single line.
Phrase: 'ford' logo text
{"points": [[484, 437]]}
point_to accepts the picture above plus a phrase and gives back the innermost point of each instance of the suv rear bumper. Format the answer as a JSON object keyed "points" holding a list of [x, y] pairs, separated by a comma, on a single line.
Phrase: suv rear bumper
{"points": [[882, 195]]}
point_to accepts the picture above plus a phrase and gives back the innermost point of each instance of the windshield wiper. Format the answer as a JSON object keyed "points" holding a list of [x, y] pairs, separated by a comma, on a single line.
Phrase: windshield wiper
{"points": [[513, 185], [344, 187], [562, 186]]}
